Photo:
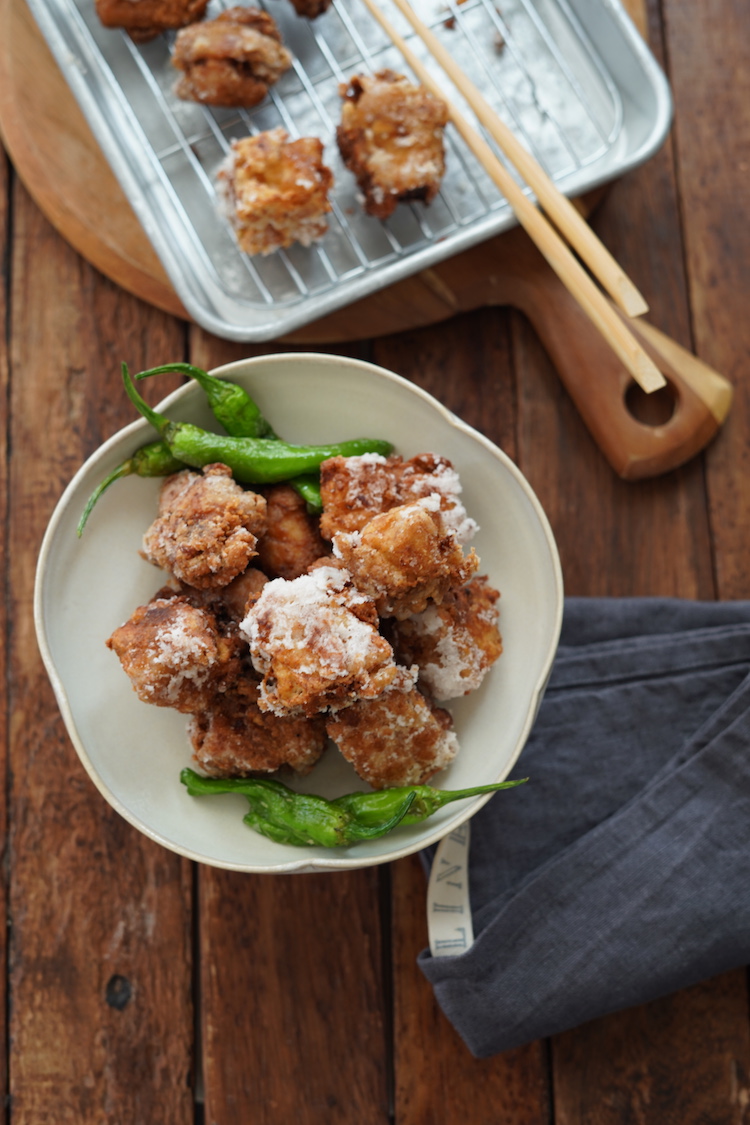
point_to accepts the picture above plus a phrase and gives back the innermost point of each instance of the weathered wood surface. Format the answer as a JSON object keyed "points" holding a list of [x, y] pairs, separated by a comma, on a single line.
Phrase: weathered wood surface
{"points": [[128, 972]]}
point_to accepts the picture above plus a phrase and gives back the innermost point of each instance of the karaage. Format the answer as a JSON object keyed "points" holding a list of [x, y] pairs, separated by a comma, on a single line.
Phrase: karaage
{"points": [[315, 640], [274, 191], [391, 139], [230, 60], [235, 738], [454, 644], [207, 527], [405, 558], [398, 739], [354, 489], [145, 19], [176, 654]]}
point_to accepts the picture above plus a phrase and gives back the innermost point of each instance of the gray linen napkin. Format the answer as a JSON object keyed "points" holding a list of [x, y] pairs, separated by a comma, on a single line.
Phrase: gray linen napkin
{"points": [[621, 871]]}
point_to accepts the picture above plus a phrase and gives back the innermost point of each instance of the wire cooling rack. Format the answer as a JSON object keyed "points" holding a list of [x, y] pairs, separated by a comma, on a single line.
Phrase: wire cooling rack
{"points": [[571, 77]]}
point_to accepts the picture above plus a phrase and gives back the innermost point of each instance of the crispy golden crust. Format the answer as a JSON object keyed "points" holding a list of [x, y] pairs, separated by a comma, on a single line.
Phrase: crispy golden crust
{"points": [[391, 139], [178, 655], [230, 60], [291, 542], [315, 640], [453, 644], [144, 19], [207, 527], [395, 740], [275, 191], [354, 489], [235, 738], [405, 558], [230, 602]]}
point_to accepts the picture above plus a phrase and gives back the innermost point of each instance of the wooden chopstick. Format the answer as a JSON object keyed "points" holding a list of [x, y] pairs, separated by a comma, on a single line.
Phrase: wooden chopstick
{"points": [[558, 254], [558, 208]]}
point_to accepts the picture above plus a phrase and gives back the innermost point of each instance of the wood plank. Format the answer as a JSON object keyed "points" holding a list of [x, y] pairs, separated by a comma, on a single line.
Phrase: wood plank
{"points": [[292, 972], [438, 1081], [685, 1062], [468, 364], [100, 972], [681, 1058], [5, 622], [708, 65], [292, 999]]}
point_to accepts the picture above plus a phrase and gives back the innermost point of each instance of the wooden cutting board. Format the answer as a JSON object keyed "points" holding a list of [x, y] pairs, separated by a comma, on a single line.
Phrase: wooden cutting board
{"points": [[65, 172]]}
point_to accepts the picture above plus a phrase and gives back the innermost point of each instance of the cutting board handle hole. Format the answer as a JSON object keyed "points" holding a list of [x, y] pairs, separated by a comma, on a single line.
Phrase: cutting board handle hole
{"points": [[655, 409]]}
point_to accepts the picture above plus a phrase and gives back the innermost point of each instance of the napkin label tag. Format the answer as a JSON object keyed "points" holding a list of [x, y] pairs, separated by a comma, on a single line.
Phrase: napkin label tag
{"points": [[448, 907]]}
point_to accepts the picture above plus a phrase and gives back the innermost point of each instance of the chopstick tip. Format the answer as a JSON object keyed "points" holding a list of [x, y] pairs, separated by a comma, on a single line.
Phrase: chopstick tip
{"points": [[647, 374], [630, 300]]}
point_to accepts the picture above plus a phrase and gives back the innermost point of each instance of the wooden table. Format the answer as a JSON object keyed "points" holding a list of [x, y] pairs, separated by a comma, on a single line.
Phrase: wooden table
{"points": [[141, 990]]}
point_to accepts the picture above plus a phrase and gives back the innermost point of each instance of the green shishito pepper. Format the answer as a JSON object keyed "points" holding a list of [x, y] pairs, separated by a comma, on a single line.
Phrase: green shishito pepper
{"points": [[230, 404], [252, 460], [153, 460], [240, 416], [304, 819]]}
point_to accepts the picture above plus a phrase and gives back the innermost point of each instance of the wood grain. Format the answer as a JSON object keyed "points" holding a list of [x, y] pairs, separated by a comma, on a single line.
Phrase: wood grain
{"points": [[5, 616], [294, 1025], [309, 1001], [708, 66], [100, 969], [655, 538]]}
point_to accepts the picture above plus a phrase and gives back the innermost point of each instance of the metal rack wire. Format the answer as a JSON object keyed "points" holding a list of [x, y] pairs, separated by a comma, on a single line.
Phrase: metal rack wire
{"points": [[533, 60]]}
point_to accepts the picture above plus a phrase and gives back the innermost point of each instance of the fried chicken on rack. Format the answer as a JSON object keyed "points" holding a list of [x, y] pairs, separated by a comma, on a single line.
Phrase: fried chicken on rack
{"points": [[315, 640], [145, 19], [391, 139], [207, 527], [405, 558], [230, 60], [291, 542], [398, 739], [311, 9], [354, 489], [234, 738], [177, 654], [455, 643], [274, 191]]}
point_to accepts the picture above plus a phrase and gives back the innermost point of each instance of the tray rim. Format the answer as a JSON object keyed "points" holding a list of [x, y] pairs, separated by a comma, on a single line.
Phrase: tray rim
{"points": [[269, 322]]}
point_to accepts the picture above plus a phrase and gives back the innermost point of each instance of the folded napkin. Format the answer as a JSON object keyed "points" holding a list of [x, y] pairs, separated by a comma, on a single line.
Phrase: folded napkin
{"points": [[621, 871]]}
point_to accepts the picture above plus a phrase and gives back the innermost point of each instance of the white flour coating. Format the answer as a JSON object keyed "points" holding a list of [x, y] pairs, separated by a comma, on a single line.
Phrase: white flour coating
{"points": [[311, 615], [458, 669], [184, 656], [445, 482]]}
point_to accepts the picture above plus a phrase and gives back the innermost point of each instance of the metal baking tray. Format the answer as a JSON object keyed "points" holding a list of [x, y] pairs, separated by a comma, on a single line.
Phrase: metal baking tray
{"points": [[573, 78]]}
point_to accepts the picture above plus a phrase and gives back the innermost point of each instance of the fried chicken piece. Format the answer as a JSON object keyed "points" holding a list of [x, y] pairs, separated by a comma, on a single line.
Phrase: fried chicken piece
{"points": [[230, 60], [405, 558], [207, 527], [235, 738], [454, 643], [398, 739], [145, 19], [230, 602], [291, 542], [177, 655], [311, 9], [354, 489], [274, 191], [315, 640], [391, 138]]}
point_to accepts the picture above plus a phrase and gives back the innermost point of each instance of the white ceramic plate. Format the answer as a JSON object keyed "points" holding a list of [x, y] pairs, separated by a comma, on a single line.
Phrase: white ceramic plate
{"points": [[86, 587]]}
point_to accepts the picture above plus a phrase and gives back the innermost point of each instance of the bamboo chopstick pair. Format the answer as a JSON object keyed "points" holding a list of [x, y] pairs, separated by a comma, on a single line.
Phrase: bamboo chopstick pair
{"points": [[557, 207]]}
